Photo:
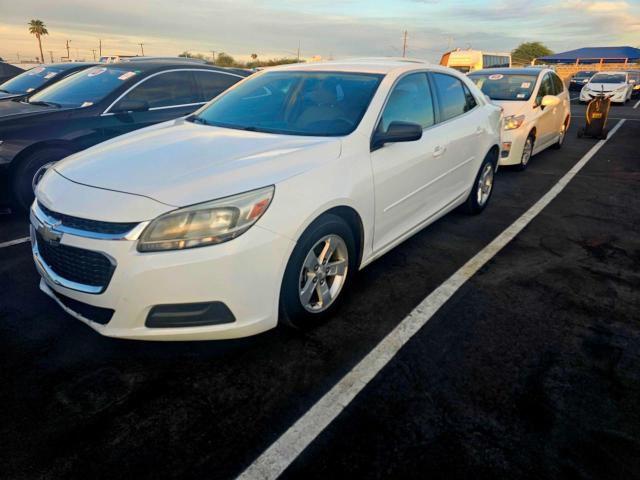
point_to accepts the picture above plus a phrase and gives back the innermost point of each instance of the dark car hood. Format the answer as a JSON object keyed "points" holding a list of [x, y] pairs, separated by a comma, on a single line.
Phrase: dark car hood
{"points": [[22, 109], [9, 96]]}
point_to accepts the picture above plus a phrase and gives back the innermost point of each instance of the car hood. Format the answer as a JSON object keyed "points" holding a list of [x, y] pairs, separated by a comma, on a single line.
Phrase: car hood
{"points": [[22, 109], [512, 107], [181, 163], [607, 87], [9, 96]]}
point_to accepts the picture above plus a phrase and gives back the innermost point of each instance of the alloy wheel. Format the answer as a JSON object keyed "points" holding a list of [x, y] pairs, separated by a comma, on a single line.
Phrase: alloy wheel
{"points": [[323, 273], [485, 184], [527, 151]]}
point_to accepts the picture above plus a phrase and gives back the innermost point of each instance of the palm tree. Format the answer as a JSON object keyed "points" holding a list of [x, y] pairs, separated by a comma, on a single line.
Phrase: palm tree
{"points": [[254, 56], [38, 28]]}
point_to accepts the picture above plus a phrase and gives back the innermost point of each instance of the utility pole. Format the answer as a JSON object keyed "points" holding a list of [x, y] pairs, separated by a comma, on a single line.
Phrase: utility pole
{"points": [[68, 56], [298, 51], [213, 56], [18, 54], [51, 55], [100, 47], [142, 48], [404, 45], [94, 54]]}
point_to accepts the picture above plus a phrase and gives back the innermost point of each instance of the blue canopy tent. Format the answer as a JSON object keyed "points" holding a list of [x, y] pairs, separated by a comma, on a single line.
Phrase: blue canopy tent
{"points": [[594, 55]]}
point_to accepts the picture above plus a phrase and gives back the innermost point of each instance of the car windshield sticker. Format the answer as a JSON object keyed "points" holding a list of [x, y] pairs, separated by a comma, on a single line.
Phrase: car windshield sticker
{"points": [[126, 76], [525, 85], [86, 104], [50, 75], [496, 76], [520, 95], [36, 71], [96, 71]]}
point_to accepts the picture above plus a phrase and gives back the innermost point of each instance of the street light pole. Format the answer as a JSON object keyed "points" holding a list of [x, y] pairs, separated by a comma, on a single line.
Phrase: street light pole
{"points": [[142, 48], [404, 45]]}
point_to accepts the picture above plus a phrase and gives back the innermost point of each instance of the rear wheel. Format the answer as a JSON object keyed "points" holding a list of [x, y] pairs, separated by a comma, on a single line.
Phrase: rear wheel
{"points": [[318, 272], [23, 175], [482, 187]]}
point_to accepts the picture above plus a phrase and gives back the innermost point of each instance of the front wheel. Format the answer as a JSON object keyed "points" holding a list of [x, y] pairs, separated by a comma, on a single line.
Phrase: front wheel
{"points": [[527, 153], [482, 187], [22, 179], [318, 272]]}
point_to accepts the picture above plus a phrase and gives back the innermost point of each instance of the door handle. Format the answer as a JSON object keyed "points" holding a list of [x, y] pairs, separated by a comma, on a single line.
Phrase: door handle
{"points": [[438, 150]]}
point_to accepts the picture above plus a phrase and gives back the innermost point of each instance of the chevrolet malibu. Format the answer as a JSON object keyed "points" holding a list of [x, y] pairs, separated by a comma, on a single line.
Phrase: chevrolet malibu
{"points": [[261, 206], [536, 107]]}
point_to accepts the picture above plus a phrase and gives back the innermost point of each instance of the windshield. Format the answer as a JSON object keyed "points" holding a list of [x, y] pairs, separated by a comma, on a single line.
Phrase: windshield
{"points": [[583, 74], [609, 78], [30, 80], [294, 103], [499, 86], [84, 88]]}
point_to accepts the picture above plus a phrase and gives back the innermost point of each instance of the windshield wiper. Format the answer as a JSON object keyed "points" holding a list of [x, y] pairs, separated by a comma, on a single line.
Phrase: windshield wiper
{"points": [[44, 104]]}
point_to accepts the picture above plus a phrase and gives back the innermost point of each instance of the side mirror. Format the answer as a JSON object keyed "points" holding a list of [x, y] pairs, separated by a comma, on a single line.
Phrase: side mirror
{"points": [[549, 101], [397, 132], [125, 106]]}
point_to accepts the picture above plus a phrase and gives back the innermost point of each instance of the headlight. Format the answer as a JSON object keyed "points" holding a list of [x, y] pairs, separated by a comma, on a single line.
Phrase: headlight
{"points": [[206, 223], [512, 122]]}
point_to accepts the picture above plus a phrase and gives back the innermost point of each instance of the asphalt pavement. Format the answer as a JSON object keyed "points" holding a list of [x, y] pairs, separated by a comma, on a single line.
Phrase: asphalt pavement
{"points": [[531, 370]]}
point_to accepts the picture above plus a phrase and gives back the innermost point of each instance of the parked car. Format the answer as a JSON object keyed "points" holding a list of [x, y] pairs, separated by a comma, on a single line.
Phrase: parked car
{"points": [[38, 78], [634, 81], [261, 205], [616, 84], [8, 71], [537, 110], [94, 105], [580, 79]]}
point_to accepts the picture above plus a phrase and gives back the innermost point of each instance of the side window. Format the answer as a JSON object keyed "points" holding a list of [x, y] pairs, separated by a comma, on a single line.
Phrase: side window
{"points": [[213, 84], [166, 89], [557, 83], [410, 101], [470, 99], [546, 88], [452, 96]]}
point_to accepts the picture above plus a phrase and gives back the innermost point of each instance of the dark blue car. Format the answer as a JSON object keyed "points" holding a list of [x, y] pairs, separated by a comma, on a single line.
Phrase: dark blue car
{"points": [[38, 78]]}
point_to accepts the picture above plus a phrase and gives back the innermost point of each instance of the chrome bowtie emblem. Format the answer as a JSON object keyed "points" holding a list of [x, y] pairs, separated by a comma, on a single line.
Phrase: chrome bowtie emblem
{"points": [[49, 233]]}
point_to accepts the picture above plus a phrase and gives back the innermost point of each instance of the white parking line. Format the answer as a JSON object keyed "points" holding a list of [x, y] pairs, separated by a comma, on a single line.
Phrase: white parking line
{"points": [[17, 241], [637, 103], [286, 449]]}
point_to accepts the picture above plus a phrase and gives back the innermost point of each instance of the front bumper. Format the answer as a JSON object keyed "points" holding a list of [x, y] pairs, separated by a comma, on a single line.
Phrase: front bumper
{"points": [[244, 274], [516, 138]]}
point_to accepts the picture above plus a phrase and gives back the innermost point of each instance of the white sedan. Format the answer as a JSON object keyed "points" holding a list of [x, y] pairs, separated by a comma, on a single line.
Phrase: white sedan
{"points": [[537, 110], [615, 84], [261, 206]]}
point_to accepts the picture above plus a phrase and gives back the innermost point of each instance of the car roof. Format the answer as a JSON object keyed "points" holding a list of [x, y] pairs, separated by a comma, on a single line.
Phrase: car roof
{"points": [[68, 65], [510, 71], [616, 72], [159, 65], [380, 65]]}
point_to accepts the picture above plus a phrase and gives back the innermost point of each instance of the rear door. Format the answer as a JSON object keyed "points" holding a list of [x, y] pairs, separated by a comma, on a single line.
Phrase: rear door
{"points": [[168, 95], [462, 123]]}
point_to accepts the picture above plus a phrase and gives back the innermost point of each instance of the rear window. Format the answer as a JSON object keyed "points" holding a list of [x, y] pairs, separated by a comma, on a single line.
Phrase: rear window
{"points": [[30, 80], [85, 88], [508, 87]]}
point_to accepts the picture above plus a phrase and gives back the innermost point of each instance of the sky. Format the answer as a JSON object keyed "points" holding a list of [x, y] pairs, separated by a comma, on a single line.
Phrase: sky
{"points": [[329, 29]]}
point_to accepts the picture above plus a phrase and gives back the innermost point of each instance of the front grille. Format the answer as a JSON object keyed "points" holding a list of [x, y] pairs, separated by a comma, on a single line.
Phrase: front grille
{"points": [[76, 264], [95, 314], [95, 226]]}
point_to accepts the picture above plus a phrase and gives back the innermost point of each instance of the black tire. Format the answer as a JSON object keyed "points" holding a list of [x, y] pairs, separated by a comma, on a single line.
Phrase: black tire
{"points": [[522, 166], [580, 132], [472, 206], [22, 176], [292, 312]]}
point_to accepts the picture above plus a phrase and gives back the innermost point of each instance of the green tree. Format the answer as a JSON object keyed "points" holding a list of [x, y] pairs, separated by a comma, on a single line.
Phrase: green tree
{"points": [[225, 60], [38, 28], [528, 51]]}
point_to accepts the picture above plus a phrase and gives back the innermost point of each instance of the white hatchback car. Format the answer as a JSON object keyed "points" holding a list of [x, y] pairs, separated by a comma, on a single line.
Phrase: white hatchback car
{"points": [[261, 206], [537, 110], [615, 84]]}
